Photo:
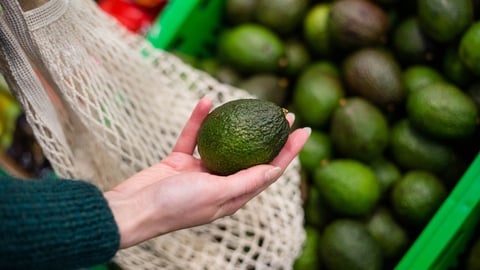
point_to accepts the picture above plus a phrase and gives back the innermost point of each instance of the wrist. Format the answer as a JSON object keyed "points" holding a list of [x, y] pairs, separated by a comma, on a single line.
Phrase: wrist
{"points": [[130, 217]]}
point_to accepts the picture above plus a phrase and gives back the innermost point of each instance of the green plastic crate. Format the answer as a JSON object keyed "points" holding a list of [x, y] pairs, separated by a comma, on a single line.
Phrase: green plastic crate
{"points": [[449, 231], [444, 238], [188, 26]]}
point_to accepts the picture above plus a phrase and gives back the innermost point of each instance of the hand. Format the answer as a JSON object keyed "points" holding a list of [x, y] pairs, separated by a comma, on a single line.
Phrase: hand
{"points": [[179, 193]]}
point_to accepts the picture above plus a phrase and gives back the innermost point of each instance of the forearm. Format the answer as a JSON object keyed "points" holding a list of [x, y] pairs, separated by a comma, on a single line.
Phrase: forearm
{"points": [[54, 224]]}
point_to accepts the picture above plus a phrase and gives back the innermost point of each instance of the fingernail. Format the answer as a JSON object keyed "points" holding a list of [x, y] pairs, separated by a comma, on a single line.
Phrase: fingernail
{"points": [[273, 174], [291, 115], [308, 129]]}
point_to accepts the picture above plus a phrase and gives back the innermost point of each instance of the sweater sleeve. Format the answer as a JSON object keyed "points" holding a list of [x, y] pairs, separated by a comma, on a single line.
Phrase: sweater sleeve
{"points": [[54, 224]]}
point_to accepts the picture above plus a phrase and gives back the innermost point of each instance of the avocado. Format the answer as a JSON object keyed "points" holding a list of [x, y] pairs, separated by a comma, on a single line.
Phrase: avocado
{"points": [[346, 244], [417, 77], [412, 149], [416, 197], [316, 211], [375, 74], [316, 31], [349, 187], [357, 23], [315, 96], [316, 151], [387, 173], [240, 11], [473, 91], [444, 21], [242, 133], [251, 48], [454, 68], [468, 48], [297, 57], [419, 49], [358, 129], [442, 111], [227, 74], [266, 86], [309, 259], [282, 16], [321, 68], [392, 237]]}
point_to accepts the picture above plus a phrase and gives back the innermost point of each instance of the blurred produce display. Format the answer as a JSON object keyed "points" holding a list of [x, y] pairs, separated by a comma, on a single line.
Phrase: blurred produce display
{"points": [[136, 15], [9, 111], [21, 155], [26, 152], [391, 90]]}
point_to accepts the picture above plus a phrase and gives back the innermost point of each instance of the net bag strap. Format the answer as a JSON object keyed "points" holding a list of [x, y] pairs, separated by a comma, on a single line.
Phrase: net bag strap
{"points": [[19, 72], [34, 87]]}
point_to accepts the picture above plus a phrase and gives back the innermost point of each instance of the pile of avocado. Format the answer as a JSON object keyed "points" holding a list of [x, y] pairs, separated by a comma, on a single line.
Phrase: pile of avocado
{"points": [[391, 90]]}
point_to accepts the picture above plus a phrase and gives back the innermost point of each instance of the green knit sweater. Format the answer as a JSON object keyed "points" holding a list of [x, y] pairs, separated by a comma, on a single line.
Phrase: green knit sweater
{"points": [[54, 224]]}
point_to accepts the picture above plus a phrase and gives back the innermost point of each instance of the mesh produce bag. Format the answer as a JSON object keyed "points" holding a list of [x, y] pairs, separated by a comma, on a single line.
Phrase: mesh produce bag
{"points": [[104, 104]]}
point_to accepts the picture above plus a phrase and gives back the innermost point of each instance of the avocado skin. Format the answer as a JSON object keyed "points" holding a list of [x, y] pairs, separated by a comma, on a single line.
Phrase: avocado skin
{"points": [[242, 133]]}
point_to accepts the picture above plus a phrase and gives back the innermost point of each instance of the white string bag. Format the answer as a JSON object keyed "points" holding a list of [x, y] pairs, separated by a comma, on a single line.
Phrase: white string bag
{"points": [[104, 104]]}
